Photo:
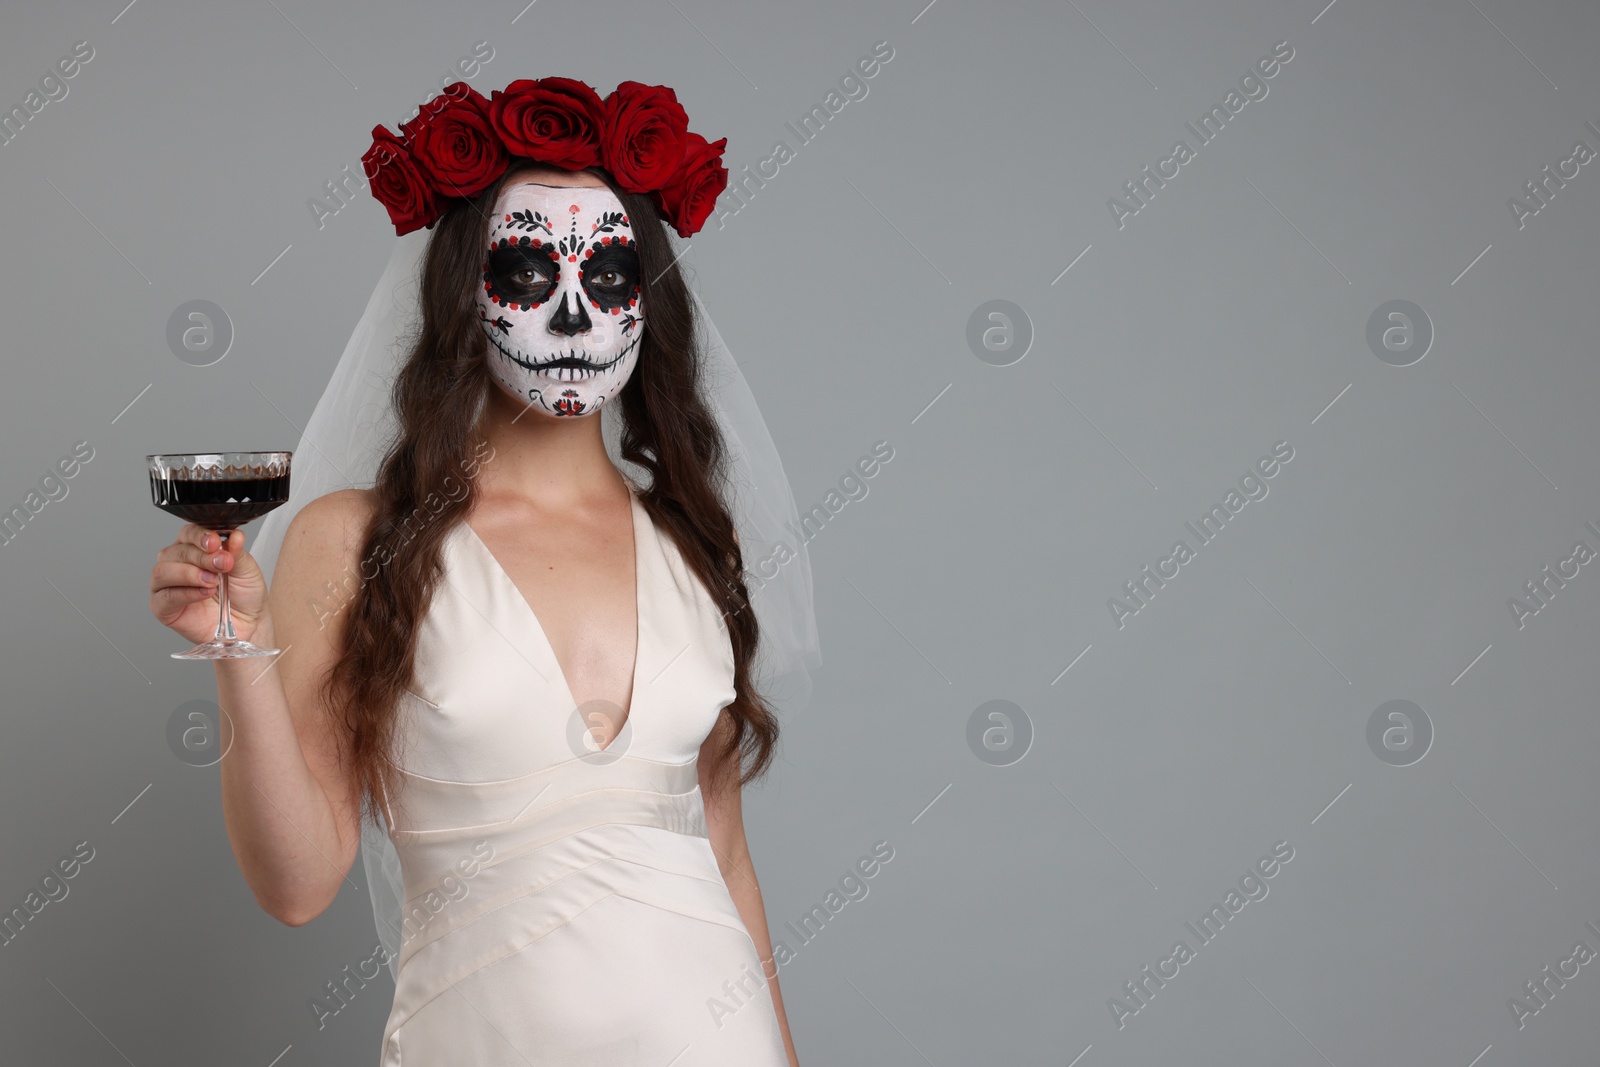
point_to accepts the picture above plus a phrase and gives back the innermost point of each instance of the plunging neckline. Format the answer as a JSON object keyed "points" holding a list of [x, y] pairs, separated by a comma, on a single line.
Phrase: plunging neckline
{"points": [[634, 507]]}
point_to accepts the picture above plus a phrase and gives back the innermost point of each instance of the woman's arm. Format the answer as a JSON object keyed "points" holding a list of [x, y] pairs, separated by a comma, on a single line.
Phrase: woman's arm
{"points": [[291, 816], [725, 821]]}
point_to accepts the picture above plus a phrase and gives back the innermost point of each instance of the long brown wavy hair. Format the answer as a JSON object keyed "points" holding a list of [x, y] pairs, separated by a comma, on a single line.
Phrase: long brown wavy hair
{"points": [[420, 494]]}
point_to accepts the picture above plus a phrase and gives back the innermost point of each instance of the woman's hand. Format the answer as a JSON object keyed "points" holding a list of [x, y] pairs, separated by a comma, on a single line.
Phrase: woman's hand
{"points": [[183, 584]]}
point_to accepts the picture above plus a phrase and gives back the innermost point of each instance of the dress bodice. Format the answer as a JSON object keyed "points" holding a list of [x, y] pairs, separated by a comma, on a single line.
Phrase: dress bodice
{"points": [[489, 701]]}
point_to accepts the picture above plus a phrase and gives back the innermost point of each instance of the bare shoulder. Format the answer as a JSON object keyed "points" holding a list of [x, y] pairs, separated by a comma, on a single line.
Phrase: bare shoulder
{"points": [[322, 545], [333, 519]]}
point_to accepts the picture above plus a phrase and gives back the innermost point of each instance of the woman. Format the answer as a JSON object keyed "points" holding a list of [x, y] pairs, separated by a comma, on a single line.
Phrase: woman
{"points": [[542, 675]]}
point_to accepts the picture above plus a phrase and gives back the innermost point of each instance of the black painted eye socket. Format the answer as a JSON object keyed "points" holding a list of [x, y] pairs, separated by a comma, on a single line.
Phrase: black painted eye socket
{"points": [[611, 275], [521, 274]]}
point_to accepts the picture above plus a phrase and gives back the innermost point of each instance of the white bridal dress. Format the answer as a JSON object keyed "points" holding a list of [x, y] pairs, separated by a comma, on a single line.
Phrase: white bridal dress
{"points": [[599, 929]]}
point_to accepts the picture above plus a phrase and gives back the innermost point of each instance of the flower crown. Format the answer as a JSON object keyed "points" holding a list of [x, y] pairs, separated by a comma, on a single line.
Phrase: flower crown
{"points": [[459, 144]]}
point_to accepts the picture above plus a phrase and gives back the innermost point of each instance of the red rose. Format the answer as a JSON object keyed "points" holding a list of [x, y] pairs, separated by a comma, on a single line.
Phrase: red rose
{"points": [[553, 120], [454, 144], [691, 195], [643, 136], [398, 183]]}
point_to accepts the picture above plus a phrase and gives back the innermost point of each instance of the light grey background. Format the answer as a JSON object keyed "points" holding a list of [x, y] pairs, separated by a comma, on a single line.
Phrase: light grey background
{"points": [[1228, 315]]}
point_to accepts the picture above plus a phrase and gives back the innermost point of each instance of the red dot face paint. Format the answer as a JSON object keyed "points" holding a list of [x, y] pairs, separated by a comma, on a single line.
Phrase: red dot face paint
{"points": [[560, 303]]}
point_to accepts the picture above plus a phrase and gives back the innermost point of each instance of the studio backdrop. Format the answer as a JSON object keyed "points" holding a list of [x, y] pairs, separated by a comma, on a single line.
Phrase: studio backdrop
{"points": [[1190, 416]]}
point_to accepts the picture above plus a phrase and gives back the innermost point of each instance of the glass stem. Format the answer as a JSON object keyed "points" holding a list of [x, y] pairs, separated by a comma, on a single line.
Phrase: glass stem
{"points": [[224, 634]]}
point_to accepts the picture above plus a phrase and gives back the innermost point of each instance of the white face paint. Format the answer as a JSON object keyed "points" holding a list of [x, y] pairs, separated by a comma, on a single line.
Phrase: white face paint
{"points": [[560, 297]]}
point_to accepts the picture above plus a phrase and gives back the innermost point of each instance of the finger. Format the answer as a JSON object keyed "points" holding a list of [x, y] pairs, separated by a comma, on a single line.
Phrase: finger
{"points": [[244, 565], [169, 603], [172, 574], [200, 537], [167, 575], [181, 550], [186, 553]]}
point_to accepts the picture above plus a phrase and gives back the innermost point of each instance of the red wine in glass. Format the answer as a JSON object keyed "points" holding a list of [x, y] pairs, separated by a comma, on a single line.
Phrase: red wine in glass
{"points": [[221, 491]]}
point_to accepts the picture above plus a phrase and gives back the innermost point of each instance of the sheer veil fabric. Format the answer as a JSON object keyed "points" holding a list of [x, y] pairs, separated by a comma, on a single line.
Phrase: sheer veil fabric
{"points": [[353, 424]]}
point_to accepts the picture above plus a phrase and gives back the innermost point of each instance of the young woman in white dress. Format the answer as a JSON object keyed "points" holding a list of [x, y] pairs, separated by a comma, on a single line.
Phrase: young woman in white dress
{"points": [[539, 670]]}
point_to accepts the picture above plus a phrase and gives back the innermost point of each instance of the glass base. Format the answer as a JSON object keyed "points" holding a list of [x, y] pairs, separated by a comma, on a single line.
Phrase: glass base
{"points": [[235, 649]]}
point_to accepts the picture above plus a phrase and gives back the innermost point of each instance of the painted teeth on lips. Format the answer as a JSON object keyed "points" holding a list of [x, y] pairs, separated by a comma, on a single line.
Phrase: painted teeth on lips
{"points": [[573, 362]]}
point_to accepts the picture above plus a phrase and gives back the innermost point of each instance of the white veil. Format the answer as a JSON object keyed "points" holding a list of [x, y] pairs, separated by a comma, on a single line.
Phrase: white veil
{"points": [[353, 425]]}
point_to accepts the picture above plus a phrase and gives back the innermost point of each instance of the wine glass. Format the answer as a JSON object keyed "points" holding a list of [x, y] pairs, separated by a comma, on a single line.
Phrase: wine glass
{"points": [[221, 491]]}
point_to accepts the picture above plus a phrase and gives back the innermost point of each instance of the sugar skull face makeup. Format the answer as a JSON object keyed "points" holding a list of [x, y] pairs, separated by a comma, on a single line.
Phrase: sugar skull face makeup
{"points": [[560, 299]]}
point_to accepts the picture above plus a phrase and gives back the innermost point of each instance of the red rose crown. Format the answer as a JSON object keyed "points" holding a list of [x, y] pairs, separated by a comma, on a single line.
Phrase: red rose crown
{"points": [[460, 144]]}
